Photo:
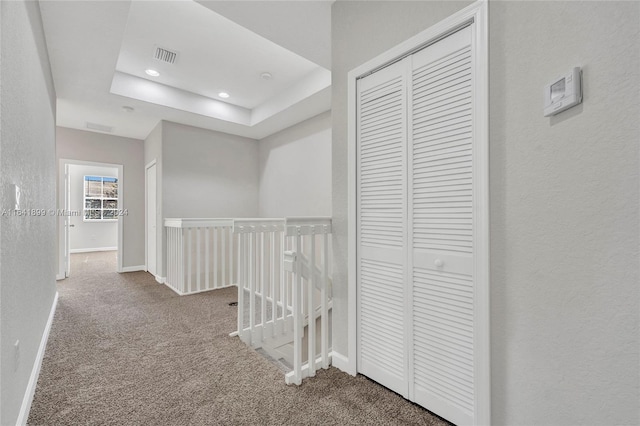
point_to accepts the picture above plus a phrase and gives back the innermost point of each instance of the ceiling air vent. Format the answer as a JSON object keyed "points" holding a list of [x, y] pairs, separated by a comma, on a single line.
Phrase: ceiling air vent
{"points": [[165, 55], [99, 127]]}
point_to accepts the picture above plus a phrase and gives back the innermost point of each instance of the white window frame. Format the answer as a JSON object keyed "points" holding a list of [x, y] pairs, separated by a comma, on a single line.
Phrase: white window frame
{"points": [[101, 198], [478, 14]]}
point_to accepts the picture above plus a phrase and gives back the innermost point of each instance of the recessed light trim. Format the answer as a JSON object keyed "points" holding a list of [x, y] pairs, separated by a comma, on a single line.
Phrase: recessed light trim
{"points": [[223, 95], [152, 73]]}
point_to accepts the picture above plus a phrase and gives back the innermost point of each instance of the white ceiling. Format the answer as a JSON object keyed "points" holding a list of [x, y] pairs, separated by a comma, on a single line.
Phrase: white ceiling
{"points": [[100, 49], [302, 26]]}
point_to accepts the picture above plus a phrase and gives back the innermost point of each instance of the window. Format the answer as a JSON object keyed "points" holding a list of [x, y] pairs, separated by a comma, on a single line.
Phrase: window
{"points": [[100, 198]]}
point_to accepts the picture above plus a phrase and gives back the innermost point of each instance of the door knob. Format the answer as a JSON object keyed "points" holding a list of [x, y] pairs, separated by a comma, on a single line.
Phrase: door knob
{"points": [[438, 262]]}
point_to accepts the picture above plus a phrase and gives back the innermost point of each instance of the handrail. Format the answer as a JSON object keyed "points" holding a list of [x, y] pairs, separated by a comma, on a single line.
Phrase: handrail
{"points": [[250, 225], [307, 225], [290, 223], [197, 222]]}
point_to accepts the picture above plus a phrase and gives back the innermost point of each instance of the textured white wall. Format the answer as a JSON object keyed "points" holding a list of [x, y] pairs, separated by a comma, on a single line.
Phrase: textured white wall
{"points": [[207, 173], [295, 170], [89, 235], [564, 215], [103, 148], [564, 201], [27, 244]]}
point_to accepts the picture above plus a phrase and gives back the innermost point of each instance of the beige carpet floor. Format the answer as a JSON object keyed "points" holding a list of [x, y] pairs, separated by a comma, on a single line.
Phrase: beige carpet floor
{"points": [[125, 350]]}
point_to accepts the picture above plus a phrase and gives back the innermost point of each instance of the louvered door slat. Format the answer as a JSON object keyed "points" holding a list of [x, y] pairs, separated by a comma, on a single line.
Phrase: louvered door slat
{"points": [[435, 142], [439, 64], [382, 113], [456, 93], [441, 211], [429, 155], [382, 157]]}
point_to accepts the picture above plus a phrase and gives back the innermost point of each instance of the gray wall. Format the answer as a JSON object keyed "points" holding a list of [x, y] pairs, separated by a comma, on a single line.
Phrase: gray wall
{"points": [[89, 235], [295, 170], [207, 173], [27, 244], [203, 174], [564, 215], [564, 201], [102, 148]]}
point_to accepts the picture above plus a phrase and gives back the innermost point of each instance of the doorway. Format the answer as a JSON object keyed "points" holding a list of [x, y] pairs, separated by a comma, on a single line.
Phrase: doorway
{"points": [[89, 212]]}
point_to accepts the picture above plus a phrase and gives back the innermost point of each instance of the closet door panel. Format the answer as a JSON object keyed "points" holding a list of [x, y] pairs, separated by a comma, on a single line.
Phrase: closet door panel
{"points": [[382, 210], [441, 227]]}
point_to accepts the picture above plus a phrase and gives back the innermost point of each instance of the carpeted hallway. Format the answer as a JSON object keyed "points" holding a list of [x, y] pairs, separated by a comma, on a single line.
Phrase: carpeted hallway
{"points": [[124, 349]]}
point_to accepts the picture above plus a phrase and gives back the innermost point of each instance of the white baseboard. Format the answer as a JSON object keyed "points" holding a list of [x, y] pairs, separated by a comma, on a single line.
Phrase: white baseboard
{"points": [[179, 293], [161, 280], [341, 362], [60, 277], [89, 250], [289, 377], [134, 268], [35, 371], [176, 291]]}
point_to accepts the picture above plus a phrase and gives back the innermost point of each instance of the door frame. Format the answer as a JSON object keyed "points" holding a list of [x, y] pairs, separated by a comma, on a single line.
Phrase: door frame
{"points": [[63, 249], [152, 163], [67, 221], [476, 13]]}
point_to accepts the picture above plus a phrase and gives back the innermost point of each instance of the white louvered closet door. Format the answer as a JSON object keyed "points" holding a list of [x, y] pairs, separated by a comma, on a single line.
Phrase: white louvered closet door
{"points": [[441, 228], [416, 212], [382, 211]]}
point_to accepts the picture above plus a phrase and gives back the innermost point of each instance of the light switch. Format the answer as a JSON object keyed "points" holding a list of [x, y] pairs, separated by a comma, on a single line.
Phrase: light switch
{"points": [[15, 195]]}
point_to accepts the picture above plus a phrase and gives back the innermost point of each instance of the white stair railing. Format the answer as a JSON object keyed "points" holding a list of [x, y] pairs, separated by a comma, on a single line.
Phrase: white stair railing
{"points": [[311, 281], [284, 289], [264, 308], [200, 255], [282, 270]]}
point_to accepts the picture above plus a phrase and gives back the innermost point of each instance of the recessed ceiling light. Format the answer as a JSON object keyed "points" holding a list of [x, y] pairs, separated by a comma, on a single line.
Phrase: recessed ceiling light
{"points": [[223, 95], [152, 73], [266, 76], [127, 108]]}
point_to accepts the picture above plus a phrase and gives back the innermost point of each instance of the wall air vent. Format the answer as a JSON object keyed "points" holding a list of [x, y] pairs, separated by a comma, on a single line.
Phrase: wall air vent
{"points": [[165, 55], [99, 127]]}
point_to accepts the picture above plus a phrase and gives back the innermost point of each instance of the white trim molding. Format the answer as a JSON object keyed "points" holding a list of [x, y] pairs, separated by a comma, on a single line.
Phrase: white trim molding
{"points": [[23, 415], [152, 163], [133, 268], [160, 280], [340, 361], [476, 13], [188, 293], [90, 250]]}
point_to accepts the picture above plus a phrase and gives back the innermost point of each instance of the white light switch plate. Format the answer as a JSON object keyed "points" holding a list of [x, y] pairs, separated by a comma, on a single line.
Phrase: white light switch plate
{"points": [[15, 195]]}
